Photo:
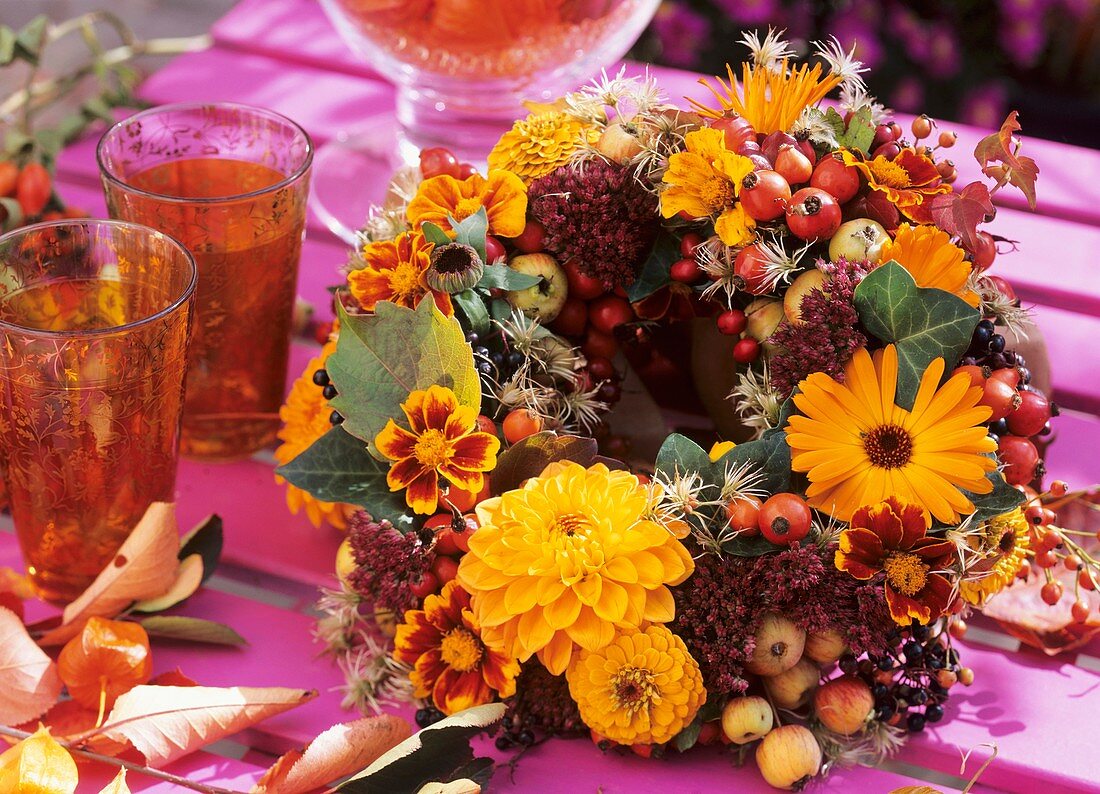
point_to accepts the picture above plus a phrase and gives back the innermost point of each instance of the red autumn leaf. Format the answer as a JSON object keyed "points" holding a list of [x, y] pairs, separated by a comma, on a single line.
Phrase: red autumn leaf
{"points": [[68, 719], [958, 213], [172, 678], [107, 659], [1000, 148]]}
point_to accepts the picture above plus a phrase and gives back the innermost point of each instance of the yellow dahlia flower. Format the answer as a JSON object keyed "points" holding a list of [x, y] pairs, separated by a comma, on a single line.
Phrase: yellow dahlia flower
{"points": [[540, 143], [305, 417], [932, 260], [503, 195], [567, 559], [642, 688], [1005, 539]]}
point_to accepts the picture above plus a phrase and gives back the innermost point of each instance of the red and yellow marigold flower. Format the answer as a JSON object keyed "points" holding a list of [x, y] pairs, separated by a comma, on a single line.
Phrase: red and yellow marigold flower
{"points": [[704, 181], [907, 181], [566, 560], [858, 447], [442, 441], [450, 662], [393, 270], [930, 257], [642, 688], [891, 538], [503, 195]]}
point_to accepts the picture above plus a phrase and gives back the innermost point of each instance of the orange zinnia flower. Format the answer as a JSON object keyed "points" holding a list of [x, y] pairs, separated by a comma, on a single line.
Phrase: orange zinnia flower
{"points": [[443, 440], [907, 180], [393, 270], [891, 538], [503, 195], [450, 662]]}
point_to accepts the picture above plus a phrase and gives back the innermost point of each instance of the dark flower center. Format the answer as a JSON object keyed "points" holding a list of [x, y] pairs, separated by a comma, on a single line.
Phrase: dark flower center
{"points": [[888, 446], [633, 688], [453, 258]]}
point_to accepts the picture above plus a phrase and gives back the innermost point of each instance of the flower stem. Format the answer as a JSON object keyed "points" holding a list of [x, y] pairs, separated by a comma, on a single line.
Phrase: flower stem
{"points": [[127, 765]]}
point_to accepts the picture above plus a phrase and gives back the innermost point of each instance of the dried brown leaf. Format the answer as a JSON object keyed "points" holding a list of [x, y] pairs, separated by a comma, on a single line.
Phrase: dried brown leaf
{"points": [[338, 752], [29, 683]]}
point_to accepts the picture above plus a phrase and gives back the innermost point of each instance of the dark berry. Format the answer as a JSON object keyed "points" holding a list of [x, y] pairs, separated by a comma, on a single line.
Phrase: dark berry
{"points": [[515, 358], [919, 632], [915, 723], [472, 338], [328, 392], [335, 418], [526, 738], [503, 743], [320, 377], [968, 361], [996, 361], [987, 325], [1046, 431], [903, 690], [885, 663], [919, 697], [880, 691], [982, 335], [934, 713], [885, 711], [848, 663], [497, 358], [423, 717], [935, 663], [997, 344], [485, 367], [1000, 427], [1025, 375]]}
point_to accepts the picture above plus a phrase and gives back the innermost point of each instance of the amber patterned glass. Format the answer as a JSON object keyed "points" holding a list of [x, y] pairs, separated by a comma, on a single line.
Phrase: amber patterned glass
{"points": [[94, 324], [230, 182]]}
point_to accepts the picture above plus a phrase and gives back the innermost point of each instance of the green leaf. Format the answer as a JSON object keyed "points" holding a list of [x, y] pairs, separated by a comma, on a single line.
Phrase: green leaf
{"points": [[655, 270], [206, 540], [924, 324], [860, 132], [29, 40], [439, 753], [13, 213], [1000, 500], [7, 45], [527, 458], [179, 627], [500, 309], [380, 358], [471, 231], [96, 108], [337, 467], [686, 739], [434, 234], [504, 277], [835, 121], [49, 140], [473, 309]]}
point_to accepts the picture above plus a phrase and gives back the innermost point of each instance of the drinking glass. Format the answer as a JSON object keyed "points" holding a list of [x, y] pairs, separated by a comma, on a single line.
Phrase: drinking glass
{"points": [[462, 69], [94, 324], [230, 182]]}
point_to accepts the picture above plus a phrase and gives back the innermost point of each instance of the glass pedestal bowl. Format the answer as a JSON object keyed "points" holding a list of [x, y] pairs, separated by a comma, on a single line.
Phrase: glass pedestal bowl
{"points": [[462, 69]]}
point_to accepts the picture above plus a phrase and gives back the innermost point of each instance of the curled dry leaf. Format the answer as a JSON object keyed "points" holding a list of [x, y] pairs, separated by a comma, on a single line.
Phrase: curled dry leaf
{"points": [[144, 567], [38, 765], [118, 785], [338, 752], [188, 578], [29, 683], [168, 722], [107, 659]]}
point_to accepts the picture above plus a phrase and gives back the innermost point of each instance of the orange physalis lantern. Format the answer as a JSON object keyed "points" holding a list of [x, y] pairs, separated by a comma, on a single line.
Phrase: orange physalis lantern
{"points": [[107, 659]]}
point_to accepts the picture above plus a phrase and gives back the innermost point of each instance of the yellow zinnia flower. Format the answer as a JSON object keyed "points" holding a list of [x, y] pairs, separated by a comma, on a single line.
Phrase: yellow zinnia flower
{"points": [[442, 441], [642, 688], [540, 143], [858, 447], [393, 270], [305, 417], [705, 182], [503, 195], [1005, 539], [932, 260], [567, 559], [770, 97]]}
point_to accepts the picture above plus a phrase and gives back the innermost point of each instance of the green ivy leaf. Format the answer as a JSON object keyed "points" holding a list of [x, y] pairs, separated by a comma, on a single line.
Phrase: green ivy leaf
{"points": [[471, 231], [924, 324], [860, 132], [434, 234], [206, 540], [500, 309], [473, 309], [504, 277], [655, 270], [180, 627], [337, 467], [1001, 499], [686, 739], [380, 358]]}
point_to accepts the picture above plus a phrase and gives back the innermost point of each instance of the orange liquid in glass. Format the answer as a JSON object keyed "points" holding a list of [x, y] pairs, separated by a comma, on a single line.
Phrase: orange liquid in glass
{"points": [[246, 250], [89, 426]]}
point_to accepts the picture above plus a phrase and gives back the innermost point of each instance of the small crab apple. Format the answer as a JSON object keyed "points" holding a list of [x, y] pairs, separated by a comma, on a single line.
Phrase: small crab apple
{"points": [[763, 316], [837, 179], [572, 319], [544, 300], [736, 129], [813, 214], [825, 647], [801, 287], [686, 271], [732, 322], [582, 286], [494, 249], [1002, 398], [778, 647], [792, 688], [844, 704], [984, 251], [619, 142], [746, 719], [789, 757], [858, 239], [438, 161]]}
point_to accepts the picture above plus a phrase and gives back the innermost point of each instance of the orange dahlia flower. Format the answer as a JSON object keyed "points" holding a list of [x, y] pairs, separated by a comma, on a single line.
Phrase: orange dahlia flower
{"points": [[503, 195], [906, 181], [932, 260], [891, 538], [393, 270], [450, 662], [443, 440]]}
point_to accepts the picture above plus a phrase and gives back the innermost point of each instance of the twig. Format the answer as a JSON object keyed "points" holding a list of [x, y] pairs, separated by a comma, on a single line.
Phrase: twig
{"points": [[127, 765]]}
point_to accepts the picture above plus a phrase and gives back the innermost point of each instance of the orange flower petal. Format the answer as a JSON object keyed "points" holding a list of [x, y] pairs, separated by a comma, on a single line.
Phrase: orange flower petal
{"points": [[395, 442]]}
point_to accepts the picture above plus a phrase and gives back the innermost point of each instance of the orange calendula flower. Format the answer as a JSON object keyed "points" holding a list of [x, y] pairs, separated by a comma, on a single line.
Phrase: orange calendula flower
{"points": [[450, 662], [857, 446], [891, 538], [393, 270], [566, 560], [442, 441], [540, 143], [932, 260], [705, 181], [107, 659], [907, 180], [643, 688], [503, 195], [305, 416]]}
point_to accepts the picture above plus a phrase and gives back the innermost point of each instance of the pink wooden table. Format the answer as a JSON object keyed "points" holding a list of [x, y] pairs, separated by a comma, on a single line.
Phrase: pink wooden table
{"points": [[1038, 711]]}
